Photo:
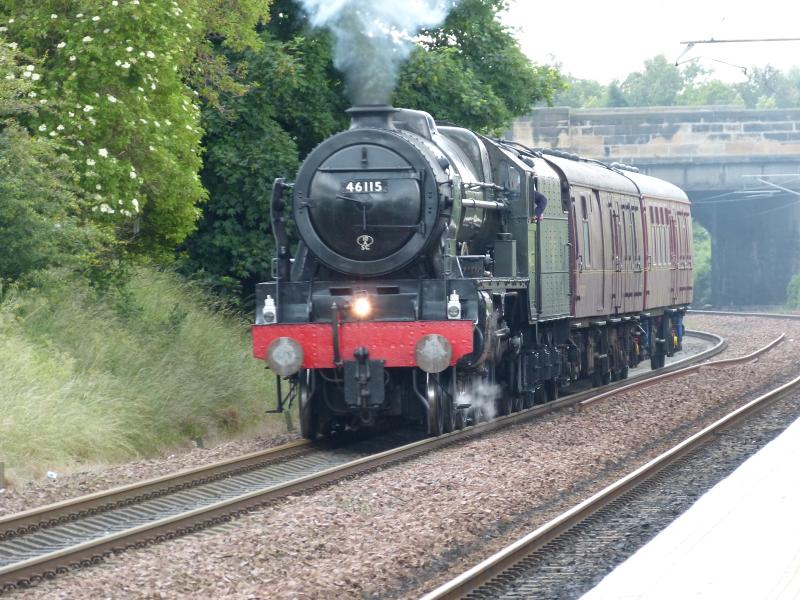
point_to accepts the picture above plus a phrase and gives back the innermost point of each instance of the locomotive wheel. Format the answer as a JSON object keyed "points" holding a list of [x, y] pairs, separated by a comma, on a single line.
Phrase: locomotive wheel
{"points": [[449, 416], [447, 393], [309, 421], [551, 389], [504, 403], [671, 346], [435, 406], [597, 379], [539, 395], [528, 399], [658, 360]]}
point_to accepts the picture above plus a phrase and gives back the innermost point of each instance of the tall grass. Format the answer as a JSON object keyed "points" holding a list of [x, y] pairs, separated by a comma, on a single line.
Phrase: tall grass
{"points": [[101, 378]]}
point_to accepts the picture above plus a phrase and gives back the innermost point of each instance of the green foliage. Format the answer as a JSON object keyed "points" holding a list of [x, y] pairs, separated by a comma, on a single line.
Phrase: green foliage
{"points": [[427, 83], [661, 83], [229, 25], [793, 293], [112, 90], [709, 93], [767, 87], [658, 85], [111, 93], [701, 242], [472, 72], [615, 96], [38, 227], [16, 81], [258, 136], [88, 377], [38, 204], [580, 93]]}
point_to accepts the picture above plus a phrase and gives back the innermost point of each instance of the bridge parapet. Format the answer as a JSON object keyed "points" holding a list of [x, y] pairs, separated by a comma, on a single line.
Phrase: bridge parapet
{"points": [[701, 149], [663, 132]]}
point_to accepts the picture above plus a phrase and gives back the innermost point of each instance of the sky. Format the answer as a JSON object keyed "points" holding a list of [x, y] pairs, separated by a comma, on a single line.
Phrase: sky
{"points": [[606, 41]]}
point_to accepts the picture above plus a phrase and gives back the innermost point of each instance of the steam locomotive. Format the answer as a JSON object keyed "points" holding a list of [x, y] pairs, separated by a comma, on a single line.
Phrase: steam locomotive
{"points": [[441, 274]]}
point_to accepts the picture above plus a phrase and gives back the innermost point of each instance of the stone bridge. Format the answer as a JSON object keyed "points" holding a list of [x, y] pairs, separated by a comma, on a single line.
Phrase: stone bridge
{"points": [[740, 167]]}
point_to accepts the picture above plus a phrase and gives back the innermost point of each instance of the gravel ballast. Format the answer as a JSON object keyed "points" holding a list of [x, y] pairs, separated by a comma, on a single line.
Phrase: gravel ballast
{"points": [[577, 561], [402, 530]]}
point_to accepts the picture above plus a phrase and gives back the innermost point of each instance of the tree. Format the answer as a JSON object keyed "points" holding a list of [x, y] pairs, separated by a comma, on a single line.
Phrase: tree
{"points": [[614, 96], [664, 84], [768, 87], [293, 100], [113, 91], [472, 72], [427, 82], [713, 92], [701, 242], [658, 85], [793, 293], [38, 223], [580, 93]]}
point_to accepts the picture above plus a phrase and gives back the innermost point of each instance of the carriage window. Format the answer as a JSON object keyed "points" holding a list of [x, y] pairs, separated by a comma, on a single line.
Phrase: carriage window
{"points": [[625, 243], [657, 243], [587, 248], [633, 236]]}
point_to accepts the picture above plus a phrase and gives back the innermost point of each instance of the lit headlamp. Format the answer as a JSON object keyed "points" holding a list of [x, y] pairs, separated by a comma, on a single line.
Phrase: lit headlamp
{"points": [[361, 307]]}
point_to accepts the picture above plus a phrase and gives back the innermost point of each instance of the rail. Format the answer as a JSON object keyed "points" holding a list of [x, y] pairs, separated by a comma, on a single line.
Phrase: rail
{"points": [[725, 362]]}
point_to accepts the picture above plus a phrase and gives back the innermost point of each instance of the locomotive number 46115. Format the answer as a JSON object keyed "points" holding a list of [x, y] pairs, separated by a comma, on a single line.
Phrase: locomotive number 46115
{"points": [[366, 187]]}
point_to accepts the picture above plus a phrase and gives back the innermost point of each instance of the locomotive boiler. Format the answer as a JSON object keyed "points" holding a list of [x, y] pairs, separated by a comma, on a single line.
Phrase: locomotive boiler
{"points": [[441, 275]]}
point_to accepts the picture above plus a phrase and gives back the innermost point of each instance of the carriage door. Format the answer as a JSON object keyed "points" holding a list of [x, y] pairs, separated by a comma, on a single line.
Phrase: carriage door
{"points": [[617, 254], [674, 251], [603, 246]]}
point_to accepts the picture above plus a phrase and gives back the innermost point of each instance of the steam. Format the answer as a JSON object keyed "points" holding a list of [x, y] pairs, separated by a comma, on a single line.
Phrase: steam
{"points": [[372, 38], [481, 397]]}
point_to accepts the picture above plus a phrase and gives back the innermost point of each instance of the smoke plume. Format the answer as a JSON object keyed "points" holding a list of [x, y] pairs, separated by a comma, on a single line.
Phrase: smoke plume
{"points": [[372, 38], [482, 398]]}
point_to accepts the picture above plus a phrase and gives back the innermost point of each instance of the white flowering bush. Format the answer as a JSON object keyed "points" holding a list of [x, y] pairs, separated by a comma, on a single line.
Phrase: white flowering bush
{"points": [[15, 81], [109, 89], [40, 224]]}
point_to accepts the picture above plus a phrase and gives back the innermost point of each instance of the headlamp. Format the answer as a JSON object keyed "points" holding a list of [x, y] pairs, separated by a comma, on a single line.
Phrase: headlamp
{"points": [[361, 306]]}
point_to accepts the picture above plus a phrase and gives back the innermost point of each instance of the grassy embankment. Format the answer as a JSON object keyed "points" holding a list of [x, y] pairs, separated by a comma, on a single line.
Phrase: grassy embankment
{"points": [[86, 378]]}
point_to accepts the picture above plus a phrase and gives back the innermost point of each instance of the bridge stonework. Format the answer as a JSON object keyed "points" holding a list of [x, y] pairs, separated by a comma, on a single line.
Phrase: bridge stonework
{"points": [[740, 167]]}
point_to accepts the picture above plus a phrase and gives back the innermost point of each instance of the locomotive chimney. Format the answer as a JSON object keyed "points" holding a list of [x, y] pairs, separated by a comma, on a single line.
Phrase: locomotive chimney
{"points": [[373, 116]]}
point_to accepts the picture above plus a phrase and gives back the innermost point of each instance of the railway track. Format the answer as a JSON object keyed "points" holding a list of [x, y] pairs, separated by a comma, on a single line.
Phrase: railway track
{"points": [[494, 573], [730, 313], [46, 541]]}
